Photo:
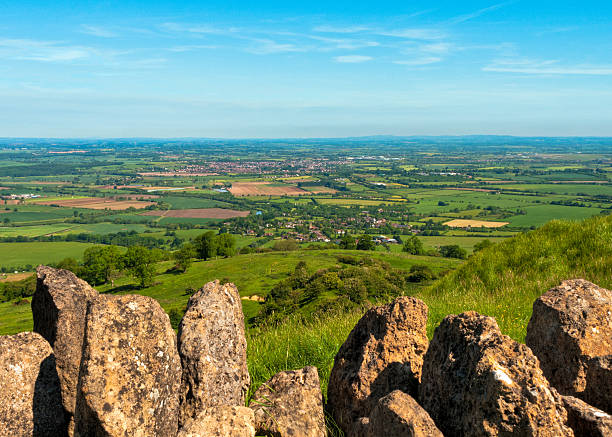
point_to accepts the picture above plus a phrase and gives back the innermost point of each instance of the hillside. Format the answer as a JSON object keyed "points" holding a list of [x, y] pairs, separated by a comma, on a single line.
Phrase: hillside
{"points": [[254, 274], [502, 281]]}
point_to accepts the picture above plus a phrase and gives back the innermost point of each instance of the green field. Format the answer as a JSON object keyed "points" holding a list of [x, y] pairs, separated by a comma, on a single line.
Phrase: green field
{"points": [[21, 254], [253, 274], [538, 215]]}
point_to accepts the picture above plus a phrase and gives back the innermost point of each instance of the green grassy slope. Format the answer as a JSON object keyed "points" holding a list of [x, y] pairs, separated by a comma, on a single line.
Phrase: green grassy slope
{"points": [[253, 274], [502, 282]]}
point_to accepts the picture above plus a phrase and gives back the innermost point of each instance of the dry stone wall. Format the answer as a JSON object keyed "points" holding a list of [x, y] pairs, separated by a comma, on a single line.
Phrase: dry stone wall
{"points": [[103, 365]]}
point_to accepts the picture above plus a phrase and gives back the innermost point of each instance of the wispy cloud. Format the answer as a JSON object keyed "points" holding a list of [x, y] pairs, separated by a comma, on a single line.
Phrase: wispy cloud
{"points": [[341, 29], [412, 33], [419, 61], [44, 51], [550, 67], [555, 30], [263, 46], [98, 31], [466, 17], [352, 59], [192, 47]]}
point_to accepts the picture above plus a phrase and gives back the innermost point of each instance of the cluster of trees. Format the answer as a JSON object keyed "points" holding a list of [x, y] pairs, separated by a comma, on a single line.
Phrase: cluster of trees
{"points": [[104, 264], [363, 242], [17, 289], [353, 283], [414, 246], [210, 244]]}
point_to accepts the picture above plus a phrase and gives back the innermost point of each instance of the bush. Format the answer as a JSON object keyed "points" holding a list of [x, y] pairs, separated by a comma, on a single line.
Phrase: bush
{"points": [[453, 251]]}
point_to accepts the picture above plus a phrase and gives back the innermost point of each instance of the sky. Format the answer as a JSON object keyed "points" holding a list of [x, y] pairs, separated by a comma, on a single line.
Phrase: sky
{"points": [[271, 69]]}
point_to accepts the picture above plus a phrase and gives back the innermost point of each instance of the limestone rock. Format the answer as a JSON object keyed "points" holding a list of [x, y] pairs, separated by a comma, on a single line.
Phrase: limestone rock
{"points": [[598, 390], [478, 382], [290, 404], [131, 372], [383, 352], [58, 307], [221, 421], [212, 347], [30, 395], [399, 415], [570, 325], [585, 420]]}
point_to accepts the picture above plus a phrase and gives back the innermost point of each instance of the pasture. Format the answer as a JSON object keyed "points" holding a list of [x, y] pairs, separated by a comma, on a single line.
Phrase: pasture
{"points": [[214, 213], [15, 255]]}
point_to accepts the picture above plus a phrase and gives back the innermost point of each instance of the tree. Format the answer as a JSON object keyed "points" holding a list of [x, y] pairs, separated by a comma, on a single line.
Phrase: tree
{"points": [[69, 264], [206, 245], [453, 251], [482, 245], [413, 246], [347, 242], [184, 257], [139, 262], [101, 264], [365, 242], [226, 245]]}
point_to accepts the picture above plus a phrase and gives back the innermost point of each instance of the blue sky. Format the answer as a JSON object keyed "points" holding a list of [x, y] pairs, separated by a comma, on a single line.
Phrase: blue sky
{"points": [[316, 69]]}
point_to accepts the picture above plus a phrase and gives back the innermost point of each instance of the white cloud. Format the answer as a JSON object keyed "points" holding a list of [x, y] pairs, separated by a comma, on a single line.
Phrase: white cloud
{"points": [[419, 34], [548, 67], [264, 46], [419, 61], [97, 31], [346, 29], [352, 59], [44, 51]]}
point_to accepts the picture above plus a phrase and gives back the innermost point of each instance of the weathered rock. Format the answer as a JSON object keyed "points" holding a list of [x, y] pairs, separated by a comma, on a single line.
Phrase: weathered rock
{"points": [[598, 390], [290, 404], [130, 374], [478, 382], [570, 325], [399, 415], [585, 420], [221, 421], [212, 347], [30, 395], [58, 307], [383, 352]]}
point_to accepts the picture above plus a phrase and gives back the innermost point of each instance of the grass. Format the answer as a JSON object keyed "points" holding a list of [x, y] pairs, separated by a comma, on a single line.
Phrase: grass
{"points": [[538, 215], [21, 254]]}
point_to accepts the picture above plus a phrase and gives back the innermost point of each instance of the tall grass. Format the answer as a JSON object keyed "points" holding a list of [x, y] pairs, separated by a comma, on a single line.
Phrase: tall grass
{"points": [[504, 280], [297, 343]]}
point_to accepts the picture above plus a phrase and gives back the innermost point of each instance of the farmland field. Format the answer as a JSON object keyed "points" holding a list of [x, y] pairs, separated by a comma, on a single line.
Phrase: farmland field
{"points": [[219, 213], [265, 189], [22, 254], [474, 224], [97, 203]]}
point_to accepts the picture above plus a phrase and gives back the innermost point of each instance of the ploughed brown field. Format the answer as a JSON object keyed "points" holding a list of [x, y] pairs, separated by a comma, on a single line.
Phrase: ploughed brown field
{"points": [[265, 189], [97, 203], [460, 223], [198, 213]]}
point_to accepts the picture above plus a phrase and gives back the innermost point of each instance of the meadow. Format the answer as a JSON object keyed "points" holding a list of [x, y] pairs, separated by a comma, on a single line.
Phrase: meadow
{"points": [[22, 254]]}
